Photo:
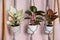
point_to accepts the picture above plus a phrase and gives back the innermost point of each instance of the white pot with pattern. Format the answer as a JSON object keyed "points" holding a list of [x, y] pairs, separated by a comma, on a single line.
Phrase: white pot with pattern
{"points": [[32, 28], [49, 29], [15, 29]]}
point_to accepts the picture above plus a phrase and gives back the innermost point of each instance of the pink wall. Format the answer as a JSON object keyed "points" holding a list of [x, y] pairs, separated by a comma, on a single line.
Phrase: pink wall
{"points": [[0, 19], [24, 5], [57, 28]]}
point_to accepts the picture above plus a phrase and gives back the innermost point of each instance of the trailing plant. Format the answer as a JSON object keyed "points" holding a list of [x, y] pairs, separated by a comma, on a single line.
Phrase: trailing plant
{"points": [[35, 16], [51, 16], [15, 17]]}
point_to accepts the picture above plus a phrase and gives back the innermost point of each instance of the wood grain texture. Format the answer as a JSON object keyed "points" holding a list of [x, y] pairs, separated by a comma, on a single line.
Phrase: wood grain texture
{"points": [[4, 19], [58, 5], [54, 21]]}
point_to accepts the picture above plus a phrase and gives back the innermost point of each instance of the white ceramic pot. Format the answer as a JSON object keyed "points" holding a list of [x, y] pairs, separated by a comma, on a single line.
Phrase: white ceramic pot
{"points": [[49, 29], [32, 28], [15, 30]]}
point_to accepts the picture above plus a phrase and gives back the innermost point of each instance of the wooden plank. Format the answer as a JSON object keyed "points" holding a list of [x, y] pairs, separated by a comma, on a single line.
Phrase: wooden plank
{"points": [[4, 19], [54, 21], [58, 5]]}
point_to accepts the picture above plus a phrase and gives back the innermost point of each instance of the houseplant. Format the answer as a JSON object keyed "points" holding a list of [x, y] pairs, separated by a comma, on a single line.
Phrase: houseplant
{"points": [[50, 16], [15, 18], [35, 18]]}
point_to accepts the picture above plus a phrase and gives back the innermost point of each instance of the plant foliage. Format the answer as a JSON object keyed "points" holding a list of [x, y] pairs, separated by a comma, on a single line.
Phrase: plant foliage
{"points": [[51, 16], [36, 16], [15, 17]]}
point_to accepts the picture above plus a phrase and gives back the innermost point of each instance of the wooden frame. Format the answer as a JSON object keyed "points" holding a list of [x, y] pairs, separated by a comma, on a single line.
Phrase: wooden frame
{"points": [[4, 19], [54, 21], [58, 5]]}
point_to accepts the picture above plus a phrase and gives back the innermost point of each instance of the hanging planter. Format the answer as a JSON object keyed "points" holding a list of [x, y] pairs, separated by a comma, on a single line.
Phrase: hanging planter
{"points": [[15, 19], [49, 29], [15, 29], [35, 18], [50, 16]]}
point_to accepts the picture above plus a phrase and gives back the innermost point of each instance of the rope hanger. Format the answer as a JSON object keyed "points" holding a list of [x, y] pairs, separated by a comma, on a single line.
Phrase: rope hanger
{"points": [[32, 3], [13, 3]]}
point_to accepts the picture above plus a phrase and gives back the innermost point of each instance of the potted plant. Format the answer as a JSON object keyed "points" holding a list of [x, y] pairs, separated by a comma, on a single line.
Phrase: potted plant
{"points": [[50, 16], [35, 18], [15, 18]]}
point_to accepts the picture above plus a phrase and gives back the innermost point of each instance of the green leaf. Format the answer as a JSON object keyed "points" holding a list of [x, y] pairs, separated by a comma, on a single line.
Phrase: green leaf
{"points": [[33, 8], [40, 20], [19, 13], [36, 22], [40, 13], [12, 10], [40, 17], [27, 17], [28, 12]]}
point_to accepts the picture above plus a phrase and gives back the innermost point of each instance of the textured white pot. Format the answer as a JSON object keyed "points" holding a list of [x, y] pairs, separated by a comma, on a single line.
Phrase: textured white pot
{"points": [[15, 30], [49, 29], [32, 28]]}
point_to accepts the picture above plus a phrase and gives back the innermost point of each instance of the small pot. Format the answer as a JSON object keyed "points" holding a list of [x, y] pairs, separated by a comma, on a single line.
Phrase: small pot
{"points": [[15, 29], [32, 28], [49, 29]]}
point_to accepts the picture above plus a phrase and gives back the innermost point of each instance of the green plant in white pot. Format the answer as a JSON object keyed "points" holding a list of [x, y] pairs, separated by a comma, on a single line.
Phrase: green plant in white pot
{"points": [[35, 18], [50, 16], [15, 19]]}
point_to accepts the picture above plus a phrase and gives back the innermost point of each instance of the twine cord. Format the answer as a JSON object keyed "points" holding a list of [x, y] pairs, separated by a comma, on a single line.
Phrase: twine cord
{"points": [[32, 1]]}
